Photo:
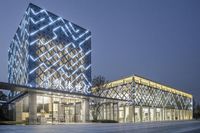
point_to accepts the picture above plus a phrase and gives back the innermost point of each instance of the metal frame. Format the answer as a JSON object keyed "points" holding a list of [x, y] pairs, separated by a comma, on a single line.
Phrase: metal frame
{"points": [[47, 51], [137, 91]]}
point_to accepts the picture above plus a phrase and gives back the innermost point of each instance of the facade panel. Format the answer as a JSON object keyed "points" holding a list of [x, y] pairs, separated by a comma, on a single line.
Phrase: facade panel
{"points": [[50, 52], [143, 100]]}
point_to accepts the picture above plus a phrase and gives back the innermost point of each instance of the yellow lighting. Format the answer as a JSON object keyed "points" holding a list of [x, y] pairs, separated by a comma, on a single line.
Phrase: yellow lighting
{"points": [[140, 80], [146, 82]]}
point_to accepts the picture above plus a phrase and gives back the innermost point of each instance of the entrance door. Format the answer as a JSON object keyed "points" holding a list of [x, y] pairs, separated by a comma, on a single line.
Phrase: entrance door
{"points": [[158, 114], [78, 112], [69, 113], [55, 112], [121, 114]]}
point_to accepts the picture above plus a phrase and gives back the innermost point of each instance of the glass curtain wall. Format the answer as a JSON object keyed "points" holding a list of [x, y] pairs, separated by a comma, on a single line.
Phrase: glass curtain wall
{"points": [[58, 110]]}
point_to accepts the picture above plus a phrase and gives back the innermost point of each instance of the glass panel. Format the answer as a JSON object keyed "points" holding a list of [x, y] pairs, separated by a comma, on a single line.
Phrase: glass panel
{"points": [[158, 114], [137, 114], [78, 112], [151, 115], [145, 114], [115, 105], [25, 105], [121, 114]]}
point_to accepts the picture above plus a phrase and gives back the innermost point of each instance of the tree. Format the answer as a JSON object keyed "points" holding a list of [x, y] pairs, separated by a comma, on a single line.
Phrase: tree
{"points": [[98, 83], [3, 109], [196, 110], [3, 96]]}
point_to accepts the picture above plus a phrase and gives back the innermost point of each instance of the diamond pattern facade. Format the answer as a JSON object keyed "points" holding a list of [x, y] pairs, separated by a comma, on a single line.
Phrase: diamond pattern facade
{"points": [[138, 91], [140, 100], [50, 52]]}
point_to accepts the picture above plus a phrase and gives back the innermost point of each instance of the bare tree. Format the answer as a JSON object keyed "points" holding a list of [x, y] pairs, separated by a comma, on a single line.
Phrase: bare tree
{"points": [[3, 96], [98, 84], [196, 110]]}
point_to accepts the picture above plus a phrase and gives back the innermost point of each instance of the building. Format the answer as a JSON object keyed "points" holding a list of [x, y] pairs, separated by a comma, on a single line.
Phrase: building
{"points": [[143, 100], [48, 51], [50, 79]]}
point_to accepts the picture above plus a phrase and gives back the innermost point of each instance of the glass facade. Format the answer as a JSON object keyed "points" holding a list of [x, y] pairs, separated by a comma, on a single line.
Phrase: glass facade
{"points": [[52, 109], [50, 52], [143, 100]]}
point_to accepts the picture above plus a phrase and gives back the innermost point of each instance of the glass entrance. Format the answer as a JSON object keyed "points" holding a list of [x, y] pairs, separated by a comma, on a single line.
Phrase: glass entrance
{"points": [[145, 114], [69, 113], [137, 114], [121, 114], [58, 109], [158, 114], [78, 112]]}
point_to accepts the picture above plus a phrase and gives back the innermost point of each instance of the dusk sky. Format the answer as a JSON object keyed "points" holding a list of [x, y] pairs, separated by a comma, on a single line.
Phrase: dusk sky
{"points": [[156, 39]]}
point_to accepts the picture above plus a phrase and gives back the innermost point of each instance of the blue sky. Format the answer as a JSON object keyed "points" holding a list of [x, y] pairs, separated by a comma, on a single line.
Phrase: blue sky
{"points": [[156, 39]]}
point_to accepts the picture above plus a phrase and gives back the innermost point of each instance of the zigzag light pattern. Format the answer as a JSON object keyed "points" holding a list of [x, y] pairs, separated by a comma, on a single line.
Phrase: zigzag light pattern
{"points": [[47, 48], [142, 95]]}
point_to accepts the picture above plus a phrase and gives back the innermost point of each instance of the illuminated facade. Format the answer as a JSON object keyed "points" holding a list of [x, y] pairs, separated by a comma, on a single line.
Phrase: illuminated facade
{"points": [[47, 51], [143, 100], [51, 58]]}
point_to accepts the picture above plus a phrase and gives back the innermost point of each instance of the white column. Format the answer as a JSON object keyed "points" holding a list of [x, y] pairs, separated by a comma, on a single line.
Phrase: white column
{"points": [[164, 117], [149, 116], [140, 113], [134, 113], [161, 114], [131, 113], [111, 111], [118, 112], [154, 114], [32, 108], [174, 118], [85, 110]]}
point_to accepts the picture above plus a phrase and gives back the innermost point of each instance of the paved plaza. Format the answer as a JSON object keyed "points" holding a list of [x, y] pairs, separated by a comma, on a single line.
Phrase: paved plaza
{"points": [[153, 127]]}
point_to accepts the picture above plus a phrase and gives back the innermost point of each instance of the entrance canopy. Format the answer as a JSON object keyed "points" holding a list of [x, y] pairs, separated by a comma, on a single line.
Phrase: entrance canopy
{"points": [[25, 89]]}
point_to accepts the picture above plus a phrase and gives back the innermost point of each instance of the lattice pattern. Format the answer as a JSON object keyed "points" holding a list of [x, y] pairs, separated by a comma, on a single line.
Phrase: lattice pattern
{"points": [[153, 97], [121, 92], [142, 95], [51, 52], [18, 56]]}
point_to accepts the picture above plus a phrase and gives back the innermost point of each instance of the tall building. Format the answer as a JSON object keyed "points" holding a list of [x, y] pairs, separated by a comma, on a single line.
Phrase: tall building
{"points": [[49, 52], [50, 78]]}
